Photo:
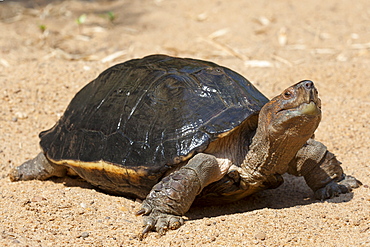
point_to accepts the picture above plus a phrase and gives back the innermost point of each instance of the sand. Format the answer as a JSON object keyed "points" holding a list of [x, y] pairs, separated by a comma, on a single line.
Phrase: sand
{"points": [[51, 49]]}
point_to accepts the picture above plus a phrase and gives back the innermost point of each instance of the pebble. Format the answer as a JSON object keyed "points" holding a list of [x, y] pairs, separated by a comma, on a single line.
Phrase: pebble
{"points": [[260, 236], [37, 199], [84, 235], [21, 115]]}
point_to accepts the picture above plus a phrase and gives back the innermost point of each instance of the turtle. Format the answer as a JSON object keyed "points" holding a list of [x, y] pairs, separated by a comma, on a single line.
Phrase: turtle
{"points": [[176, 131]]}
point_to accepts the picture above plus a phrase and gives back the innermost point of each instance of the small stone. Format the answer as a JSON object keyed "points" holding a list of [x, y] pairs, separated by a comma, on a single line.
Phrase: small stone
{"points": [[21, 115], [84, 235], [202, 17], [260, 236], [37, 199]]}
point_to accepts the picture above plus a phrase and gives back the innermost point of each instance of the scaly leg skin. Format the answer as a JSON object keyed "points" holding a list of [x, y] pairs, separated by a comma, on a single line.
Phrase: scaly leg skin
{"points": [[172, 197], [322, 171], [38, 168]]}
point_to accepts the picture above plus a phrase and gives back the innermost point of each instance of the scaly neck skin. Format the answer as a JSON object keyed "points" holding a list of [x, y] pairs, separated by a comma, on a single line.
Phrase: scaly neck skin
{"points": [[269, 155]]}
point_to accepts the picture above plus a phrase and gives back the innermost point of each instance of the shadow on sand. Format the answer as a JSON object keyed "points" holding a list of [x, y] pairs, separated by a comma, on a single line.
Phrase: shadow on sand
{"points": [[293, 192]]}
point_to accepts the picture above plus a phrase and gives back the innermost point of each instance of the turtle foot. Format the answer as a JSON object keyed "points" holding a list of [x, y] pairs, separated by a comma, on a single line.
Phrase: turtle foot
{"points": [[334, 188], [173, 195], [38, 168], [158, 221]]}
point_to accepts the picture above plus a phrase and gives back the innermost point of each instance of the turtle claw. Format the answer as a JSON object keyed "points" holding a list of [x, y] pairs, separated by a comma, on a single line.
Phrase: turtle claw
{"points": [[350, 182], [160, 222], [334, 188], [145, 209], [144, 233], [140, 212], [176, 222], [163, 222]]}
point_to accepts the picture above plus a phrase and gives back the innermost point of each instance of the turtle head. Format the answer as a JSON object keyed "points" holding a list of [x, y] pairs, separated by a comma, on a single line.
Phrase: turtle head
{"points": [[296, 112]]}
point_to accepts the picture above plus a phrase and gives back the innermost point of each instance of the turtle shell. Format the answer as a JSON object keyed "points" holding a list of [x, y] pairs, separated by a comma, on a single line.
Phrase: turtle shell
{"points": [[124, 130]]}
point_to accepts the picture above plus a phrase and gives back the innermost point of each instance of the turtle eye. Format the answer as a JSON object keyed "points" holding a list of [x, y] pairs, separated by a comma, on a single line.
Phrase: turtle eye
{"points": [[287, 94]]}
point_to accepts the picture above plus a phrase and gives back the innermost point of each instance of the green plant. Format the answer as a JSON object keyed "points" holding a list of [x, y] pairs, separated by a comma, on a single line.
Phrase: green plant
{"points": [[111, 16], [81, 19], [42, 28]]}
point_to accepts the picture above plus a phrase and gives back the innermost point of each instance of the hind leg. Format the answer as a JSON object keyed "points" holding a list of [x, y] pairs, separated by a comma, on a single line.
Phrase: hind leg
{"points": [[38, 168]]}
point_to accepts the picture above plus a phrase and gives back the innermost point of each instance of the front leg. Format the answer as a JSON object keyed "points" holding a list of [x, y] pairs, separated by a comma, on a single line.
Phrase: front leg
{"points": [[172, 197], [322, 171]]}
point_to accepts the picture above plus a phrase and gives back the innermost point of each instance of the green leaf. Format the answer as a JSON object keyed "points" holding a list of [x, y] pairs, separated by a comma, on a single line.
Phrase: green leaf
{"points": [[81, 19]]}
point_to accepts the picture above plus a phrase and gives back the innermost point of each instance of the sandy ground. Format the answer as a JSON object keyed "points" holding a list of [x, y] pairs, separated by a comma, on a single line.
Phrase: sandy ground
{"points": [[46, 56]]}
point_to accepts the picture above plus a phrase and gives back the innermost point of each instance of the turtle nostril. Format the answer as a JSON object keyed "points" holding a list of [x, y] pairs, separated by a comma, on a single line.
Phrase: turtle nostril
{"points": [[308, 84]]}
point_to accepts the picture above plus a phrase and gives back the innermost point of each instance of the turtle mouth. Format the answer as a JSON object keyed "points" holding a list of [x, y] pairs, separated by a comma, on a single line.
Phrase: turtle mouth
{"points": [[305, 109], [309, 109]]}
